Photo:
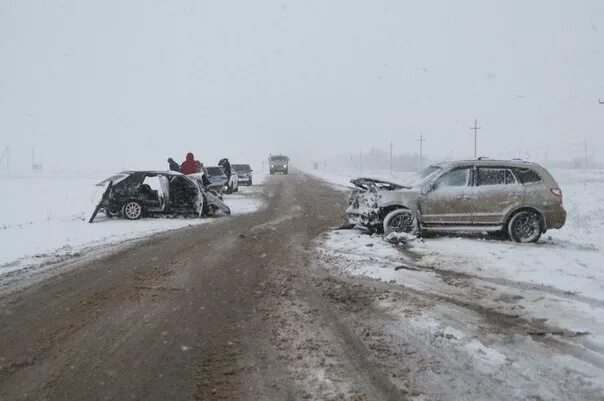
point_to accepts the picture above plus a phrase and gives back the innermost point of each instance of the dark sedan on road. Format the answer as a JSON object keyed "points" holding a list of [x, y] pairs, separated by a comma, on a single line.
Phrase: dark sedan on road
{"points": [[244, 172]]}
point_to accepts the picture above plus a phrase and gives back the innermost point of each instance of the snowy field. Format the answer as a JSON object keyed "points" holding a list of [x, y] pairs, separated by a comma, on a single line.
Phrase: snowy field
{"points": [[44, 218], [530, 317]]}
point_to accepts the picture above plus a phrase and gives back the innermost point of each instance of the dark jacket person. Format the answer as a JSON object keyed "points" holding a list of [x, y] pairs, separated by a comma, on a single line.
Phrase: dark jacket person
{"points": [[173, 165]]}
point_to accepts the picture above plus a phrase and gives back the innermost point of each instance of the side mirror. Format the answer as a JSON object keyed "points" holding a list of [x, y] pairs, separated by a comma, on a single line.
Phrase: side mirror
{"points": [[429, 187]]}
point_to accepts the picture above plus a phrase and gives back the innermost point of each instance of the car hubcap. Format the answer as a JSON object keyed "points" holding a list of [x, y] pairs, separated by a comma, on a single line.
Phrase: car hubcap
{"points": [[526, 226], [402, 223], [132, 210]]}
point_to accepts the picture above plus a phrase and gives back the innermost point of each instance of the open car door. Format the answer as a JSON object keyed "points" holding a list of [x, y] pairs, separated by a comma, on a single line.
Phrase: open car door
{"points": [[198, 201], [164, 184], [102, 201], [215, 203]]}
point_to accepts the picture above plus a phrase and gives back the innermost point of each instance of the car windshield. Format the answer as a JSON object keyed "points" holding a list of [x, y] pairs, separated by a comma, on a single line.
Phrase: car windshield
{"points": [[115, 179], [242, 167], [428, 171], [417, 179], [214, 171]]}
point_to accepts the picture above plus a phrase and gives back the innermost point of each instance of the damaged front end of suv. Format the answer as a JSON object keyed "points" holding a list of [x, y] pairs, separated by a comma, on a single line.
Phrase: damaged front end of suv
{"points": [[372, 200]]}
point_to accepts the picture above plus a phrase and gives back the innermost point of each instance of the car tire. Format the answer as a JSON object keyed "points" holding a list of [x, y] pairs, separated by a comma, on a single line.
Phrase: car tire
{"points": [[525, 226], [249, 183], [399, 221], [132, 210]]}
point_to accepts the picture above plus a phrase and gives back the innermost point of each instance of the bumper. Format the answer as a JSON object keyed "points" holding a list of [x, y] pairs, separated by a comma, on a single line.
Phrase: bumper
{"points": [[279, 169], [245, 180], [555, 217]]}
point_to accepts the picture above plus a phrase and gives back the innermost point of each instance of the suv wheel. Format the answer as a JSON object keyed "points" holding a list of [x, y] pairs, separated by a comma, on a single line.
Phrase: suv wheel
{"points": [[133, 210], [525, 226], [399, 221]]}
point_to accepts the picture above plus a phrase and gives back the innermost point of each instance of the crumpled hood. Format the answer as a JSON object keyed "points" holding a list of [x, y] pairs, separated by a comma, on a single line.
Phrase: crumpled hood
{"points": [[366, 183]]}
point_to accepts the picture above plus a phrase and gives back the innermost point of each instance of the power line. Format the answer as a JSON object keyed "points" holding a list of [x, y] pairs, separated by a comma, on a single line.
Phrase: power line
{"points": [[390, 157], [475, 128]]}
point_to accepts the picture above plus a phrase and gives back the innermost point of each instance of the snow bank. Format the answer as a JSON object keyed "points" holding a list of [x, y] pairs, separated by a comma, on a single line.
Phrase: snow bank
{"points": [[552, 290], [483, 324]]}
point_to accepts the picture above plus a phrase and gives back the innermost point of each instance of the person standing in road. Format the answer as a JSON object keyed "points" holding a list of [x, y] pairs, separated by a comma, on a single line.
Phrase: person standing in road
{"points": [[226, 166]]}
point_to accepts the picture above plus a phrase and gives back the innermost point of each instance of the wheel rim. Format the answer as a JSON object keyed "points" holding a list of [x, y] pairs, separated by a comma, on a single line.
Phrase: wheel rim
{"points": [[132, 210], [526, 227], [401, 223]]}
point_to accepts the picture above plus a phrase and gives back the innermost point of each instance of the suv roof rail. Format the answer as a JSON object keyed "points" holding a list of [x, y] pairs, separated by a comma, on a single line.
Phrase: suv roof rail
{"points": [[483, 158], [517, 159]]}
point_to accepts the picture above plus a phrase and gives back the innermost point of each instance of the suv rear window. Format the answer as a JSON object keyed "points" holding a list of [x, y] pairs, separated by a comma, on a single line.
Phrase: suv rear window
{"points": [[526, 175], [495, 176], [491, 176]]}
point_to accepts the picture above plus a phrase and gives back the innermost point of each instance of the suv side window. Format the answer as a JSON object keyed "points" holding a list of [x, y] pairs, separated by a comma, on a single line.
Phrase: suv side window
{"points": [[454, 178], [509, 177], [526, 175], [494, 176]]}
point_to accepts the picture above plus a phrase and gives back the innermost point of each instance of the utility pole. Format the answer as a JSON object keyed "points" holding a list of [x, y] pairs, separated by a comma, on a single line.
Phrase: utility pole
{"points": [[475, 128], [585, 154], [6, 156], [361, 161], [421, 141], [390, 157]]}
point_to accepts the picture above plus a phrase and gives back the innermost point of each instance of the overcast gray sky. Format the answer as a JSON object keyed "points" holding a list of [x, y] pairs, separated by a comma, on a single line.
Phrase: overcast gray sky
{"points": [[119, 84]]}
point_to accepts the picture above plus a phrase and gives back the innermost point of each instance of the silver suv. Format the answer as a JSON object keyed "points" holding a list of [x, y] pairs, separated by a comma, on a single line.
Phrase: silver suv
{"points": [[516, 197]]}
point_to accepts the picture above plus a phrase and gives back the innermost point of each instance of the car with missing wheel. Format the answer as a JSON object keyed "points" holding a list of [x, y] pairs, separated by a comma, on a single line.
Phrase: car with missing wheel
{"points": [[515, 197], [136, 194]]}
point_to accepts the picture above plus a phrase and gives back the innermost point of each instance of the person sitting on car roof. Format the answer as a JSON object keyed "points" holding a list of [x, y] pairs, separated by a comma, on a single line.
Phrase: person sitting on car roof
{"points": [[173, 165], [190, 165]]}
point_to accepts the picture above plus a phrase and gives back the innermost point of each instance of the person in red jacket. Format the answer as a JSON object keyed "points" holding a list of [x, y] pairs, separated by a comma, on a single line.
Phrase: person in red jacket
{"points": [[190, 165]]}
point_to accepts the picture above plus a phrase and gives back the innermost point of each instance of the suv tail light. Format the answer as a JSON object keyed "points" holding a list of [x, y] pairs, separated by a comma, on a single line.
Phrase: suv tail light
{"points": [[556, 191]]}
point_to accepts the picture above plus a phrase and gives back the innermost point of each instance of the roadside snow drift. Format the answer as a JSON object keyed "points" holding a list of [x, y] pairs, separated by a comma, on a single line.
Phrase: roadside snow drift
{"points": [[45, 218], [527, 319]]}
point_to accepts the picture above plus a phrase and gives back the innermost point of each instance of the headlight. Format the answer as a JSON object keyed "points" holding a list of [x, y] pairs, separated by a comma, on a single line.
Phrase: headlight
{"points": [[272, 165]]}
